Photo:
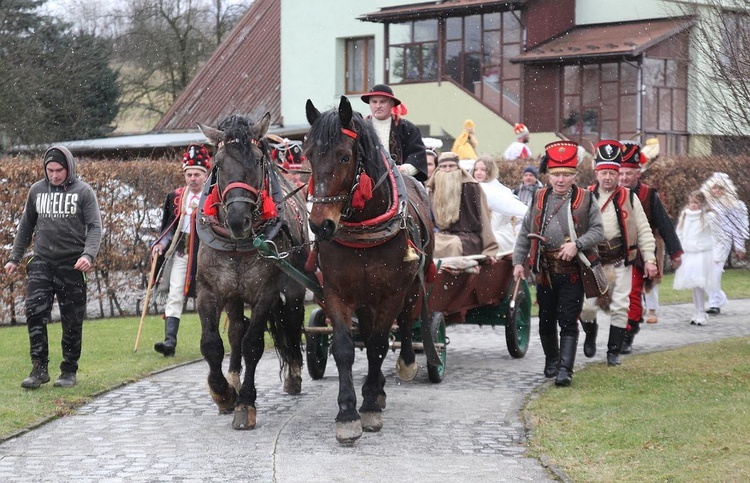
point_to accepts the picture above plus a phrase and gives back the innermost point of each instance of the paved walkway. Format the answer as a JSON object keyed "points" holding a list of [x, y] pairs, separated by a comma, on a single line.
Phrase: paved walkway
{"points": [[466, 429]]}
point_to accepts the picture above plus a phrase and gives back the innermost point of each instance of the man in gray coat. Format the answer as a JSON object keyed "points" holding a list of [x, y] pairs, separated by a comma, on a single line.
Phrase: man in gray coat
{"points": [[64, 213]]}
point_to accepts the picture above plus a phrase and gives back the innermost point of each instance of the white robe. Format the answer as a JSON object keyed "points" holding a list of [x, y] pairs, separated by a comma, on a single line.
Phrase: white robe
{"points": [[507, 213]]}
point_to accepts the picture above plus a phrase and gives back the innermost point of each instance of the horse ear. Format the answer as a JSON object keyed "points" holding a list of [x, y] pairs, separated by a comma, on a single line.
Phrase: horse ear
{"points": [[312, 113], [261, 127], [345, 112], [214, 135]]}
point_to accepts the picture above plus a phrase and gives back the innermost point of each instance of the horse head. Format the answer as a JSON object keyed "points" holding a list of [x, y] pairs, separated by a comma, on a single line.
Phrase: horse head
{"points": [[241, 164], [339, 148]]}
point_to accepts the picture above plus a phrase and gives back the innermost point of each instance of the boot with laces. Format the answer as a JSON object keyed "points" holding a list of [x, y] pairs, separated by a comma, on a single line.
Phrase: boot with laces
{"points": [[39, 375]]}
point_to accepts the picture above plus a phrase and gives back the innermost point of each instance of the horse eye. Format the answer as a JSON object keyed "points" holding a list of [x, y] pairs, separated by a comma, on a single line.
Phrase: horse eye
{"points": [[345, 159]]}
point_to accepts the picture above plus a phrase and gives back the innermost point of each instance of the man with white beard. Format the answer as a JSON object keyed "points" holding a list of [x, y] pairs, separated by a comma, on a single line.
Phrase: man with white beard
{"points": [[460, 211]]}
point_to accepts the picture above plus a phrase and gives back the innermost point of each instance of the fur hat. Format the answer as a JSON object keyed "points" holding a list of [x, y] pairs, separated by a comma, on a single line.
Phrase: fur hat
{"points": [[380, 90], [559, 157], [196, 157], [608, 155], [520, 130], [632, 157]]}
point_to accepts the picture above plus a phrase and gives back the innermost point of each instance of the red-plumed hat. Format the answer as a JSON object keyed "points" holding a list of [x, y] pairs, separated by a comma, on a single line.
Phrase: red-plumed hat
{"points": [[608, 155], [520, 130], [632, 157], [559, 157], [196, 157]]}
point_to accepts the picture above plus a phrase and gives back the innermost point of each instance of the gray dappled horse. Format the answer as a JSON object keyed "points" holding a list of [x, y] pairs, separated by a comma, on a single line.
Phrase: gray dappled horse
{"points": [[245, 197]]}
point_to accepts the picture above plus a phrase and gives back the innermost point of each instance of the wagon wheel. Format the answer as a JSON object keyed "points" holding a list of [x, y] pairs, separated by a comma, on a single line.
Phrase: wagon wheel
{"points": [[317, 345], [437, 327], [518, 320]]}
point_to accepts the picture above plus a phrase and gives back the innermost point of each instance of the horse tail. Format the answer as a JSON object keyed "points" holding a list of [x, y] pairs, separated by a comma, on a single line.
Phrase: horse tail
{"points": [[287, 340]]}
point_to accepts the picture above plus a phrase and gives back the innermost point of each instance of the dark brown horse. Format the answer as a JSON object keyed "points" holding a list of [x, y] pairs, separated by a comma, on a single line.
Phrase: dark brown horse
{"points": [[374, 245], [245, 198]]}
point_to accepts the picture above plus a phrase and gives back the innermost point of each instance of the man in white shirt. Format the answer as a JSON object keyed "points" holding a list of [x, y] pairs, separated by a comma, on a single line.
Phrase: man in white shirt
{"points": [[178, 242], [401, 139]]}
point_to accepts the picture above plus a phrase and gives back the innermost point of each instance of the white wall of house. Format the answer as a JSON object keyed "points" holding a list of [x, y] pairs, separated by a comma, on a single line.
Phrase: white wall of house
{"points": [[607, 11], [313, 52]]}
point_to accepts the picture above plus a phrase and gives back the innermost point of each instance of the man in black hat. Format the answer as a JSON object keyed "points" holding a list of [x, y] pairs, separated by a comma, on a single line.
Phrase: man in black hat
{"points": [[401, 139], [626, 232], [63, 212], [178, 243]]}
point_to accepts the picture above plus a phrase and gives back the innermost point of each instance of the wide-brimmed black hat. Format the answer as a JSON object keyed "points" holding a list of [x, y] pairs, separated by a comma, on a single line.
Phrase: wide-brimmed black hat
{"points": [[380, 90]]}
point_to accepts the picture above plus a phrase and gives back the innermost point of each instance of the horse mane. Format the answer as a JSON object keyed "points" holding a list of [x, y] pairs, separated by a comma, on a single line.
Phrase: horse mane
{"points": [[326, 131], [238, 131]]}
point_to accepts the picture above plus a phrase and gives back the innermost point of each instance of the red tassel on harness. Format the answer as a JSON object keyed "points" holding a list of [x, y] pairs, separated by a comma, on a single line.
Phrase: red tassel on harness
{"points": [[212, 201], [310, 186], [431, 273], [311, 264], [269, 207], [363, 192]]}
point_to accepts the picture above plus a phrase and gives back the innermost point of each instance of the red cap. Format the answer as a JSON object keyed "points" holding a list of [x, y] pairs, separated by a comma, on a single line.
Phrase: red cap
{"points": [[561, 156]]}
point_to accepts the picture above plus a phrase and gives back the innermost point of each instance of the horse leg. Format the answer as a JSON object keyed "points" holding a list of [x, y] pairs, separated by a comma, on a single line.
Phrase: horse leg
{"points": [[406, 365], [212, 349], [291, 318], [373, 393], [236, 333], [348, 423], [253, 345]]}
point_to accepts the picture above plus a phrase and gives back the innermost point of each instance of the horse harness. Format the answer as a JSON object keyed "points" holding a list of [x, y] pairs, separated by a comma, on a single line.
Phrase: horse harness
{"points": [[216, 235], [378, 230]]}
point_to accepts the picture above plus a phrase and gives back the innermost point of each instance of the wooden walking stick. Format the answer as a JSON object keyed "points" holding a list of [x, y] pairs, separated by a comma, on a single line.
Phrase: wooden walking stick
{"points": [[515, 292], [145, 302]]}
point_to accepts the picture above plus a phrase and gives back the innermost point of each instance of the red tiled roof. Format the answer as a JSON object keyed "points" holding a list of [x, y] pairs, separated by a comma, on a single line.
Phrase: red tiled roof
{"points": [[612, 40], [241, 77], [418, 11]]}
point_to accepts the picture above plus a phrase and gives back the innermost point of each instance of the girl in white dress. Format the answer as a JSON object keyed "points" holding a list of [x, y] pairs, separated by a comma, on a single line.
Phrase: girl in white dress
{"points": [[695, 230], [507, 210]]}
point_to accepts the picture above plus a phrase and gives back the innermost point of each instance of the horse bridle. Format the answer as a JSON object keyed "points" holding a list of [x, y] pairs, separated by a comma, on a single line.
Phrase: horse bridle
{"points": [[255, 192], [358, 155]]}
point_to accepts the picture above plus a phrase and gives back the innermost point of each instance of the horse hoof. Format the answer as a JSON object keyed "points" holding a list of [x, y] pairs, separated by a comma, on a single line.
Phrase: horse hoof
{"points": [[406, 372], [372, 422], [233, 378], [381, 401], [225, 402], [348, 432], [244, 417], [293, 379]]}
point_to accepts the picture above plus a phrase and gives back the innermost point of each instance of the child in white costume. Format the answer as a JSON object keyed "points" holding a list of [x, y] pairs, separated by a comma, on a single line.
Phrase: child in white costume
{"points": [[694, 229]]}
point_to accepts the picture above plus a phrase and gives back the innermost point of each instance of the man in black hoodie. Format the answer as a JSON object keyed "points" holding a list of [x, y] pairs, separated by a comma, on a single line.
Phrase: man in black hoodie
{"points": [[64, 213]]}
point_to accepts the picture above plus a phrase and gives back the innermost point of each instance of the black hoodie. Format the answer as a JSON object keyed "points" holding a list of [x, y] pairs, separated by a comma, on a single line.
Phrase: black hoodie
{"points": [[66, 218]]}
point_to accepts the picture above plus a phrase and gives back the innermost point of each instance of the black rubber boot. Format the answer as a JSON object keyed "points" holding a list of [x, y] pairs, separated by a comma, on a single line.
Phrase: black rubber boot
{"points": [[171, 326], [551, 354], [627, 344], [568, 348], [589, 344], [614, 346]]}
